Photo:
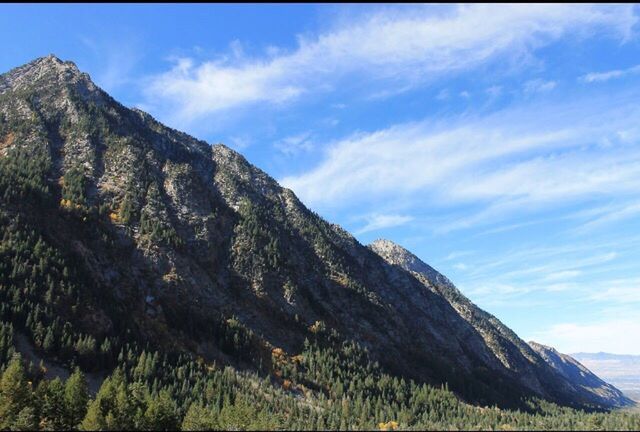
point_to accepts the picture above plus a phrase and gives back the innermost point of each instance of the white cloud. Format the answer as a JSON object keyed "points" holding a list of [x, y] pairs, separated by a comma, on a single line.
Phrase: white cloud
{"points": [[380, 221], [539, 262], [116, 60], [295, 144], [240, 142], [407, 44], [538, 86], [213, 86], [610, 215], [562, 275], [511, 161], [618, 336], [443, 95], [457, 254], [460, 266], [624, 290], [608, 75], [552, 275]]}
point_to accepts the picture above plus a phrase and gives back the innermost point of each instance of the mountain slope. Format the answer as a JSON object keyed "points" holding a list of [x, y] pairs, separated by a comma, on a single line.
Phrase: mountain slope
{"points": [[524, 362], [117, 228], [581, 377], [623, 371]]}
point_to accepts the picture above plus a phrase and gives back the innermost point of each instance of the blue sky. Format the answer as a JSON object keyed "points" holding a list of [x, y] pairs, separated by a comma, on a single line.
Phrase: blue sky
{"points": [[500, 144]]}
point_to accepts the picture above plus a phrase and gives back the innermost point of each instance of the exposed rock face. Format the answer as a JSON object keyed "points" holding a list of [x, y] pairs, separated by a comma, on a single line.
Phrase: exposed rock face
{"points": [[172, 235], [581, 377]]}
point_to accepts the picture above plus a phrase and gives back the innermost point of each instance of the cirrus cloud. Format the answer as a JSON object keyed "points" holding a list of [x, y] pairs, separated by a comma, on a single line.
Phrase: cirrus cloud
{"points": [[407, 44], [510, 160]]}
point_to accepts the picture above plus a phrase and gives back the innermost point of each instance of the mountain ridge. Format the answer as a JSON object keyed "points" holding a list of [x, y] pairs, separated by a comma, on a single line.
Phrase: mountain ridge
{"points": [[179, 243], [512, 351], [580, 376]]}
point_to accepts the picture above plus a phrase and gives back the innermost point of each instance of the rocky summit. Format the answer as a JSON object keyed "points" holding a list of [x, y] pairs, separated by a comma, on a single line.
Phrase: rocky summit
{"points": [[119, 230]]}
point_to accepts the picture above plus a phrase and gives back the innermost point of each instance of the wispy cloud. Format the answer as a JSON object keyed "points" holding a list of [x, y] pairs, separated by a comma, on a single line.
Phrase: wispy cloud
{"points": [[240, 141], [562, 275], [406, 46], [457, 254], [622, 290], [380, 221], [516, 160], [552, 275], [609, 75], [610, 214], [579, 278], [460, 266], [116, 60], [538, 86], [295, 144]]}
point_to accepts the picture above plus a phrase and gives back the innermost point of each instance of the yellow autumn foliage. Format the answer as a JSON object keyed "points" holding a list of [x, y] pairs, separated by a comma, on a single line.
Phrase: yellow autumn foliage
{"points": [[316, 327], [68, 204], [287, 384], [279, 356], [388, 426]]}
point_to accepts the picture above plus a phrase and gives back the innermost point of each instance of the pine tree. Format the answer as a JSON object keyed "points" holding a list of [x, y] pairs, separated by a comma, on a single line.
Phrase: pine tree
{"points": [[76, 397], [15, 392], [26, 420], [199, 418], [51, 404], [102, 406], [161, 413]]}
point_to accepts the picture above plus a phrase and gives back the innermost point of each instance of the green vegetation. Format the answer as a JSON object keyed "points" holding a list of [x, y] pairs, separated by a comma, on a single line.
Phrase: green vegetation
{"points": [[23, 177], [74, 189], [256, 242], [152, 227], [341, 390]]}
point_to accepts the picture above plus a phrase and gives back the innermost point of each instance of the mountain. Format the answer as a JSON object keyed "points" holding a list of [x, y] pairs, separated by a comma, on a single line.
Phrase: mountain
{"points": [[515, 355], [118, 230], [623, 371], [580, 376]]}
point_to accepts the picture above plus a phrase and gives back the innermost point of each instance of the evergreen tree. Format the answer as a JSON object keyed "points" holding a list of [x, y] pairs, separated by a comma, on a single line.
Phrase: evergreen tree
{"points": [[26, 420], [199, 418], [76, 397], [161, 413], [51, 404], [15, 392], [101, 407]]}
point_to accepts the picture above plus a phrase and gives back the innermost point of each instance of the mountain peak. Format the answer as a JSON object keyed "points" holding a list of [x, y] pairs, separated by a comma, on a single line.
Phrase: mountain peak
{"points": [[50, 60], [538, 347], [393, 253], [45, 72], [49, 63]]}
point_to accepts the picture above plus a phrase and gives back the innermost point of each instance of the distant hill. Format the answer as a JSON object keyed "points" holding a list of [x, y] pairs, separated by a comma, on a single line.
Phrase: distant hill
{"points": [[621, 370]]}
